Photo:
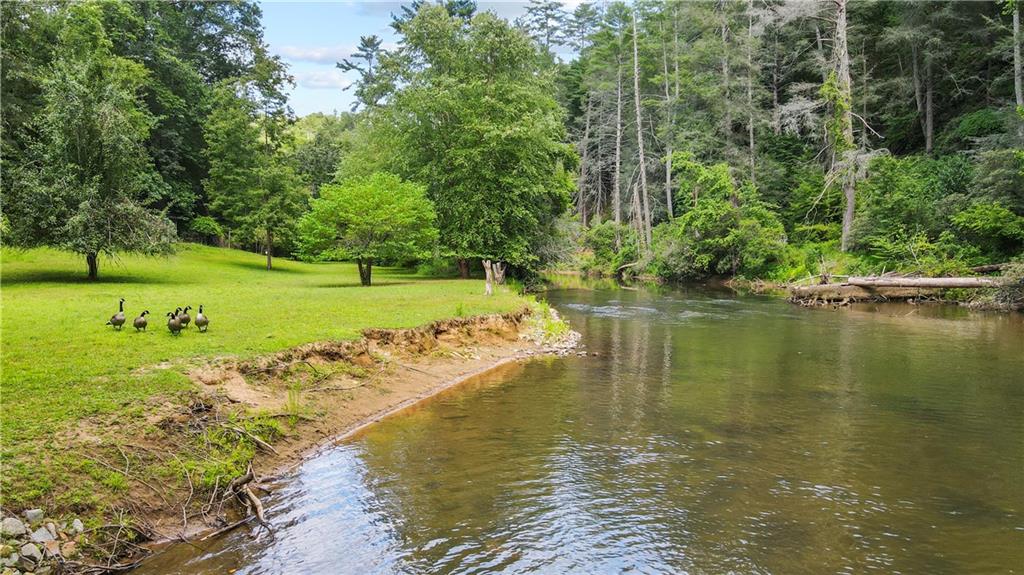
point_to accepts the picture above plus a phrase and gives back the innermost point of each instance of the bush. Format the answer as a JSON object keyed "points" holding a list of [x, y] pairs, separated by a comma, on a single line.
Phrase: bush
{"points": [[206, 228], [998, 232], [599, 254]]}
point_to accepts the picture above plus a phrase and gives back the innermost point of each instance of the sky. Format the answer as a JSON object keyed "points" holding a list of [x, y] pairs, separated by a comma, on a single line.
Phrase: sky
{"points": [[312, 36]]}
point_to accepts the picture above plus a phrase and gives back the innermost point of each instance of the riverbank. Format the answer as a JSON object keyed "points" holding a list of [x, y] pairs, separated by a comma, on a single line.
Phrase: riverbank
{"points": [[108, 425]]}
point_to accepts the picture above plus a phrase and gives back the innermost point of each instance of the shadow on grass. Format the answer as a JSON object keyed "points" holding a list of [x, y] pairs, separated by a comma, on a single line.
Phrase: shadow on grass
{"points": [[357, 284], [68, 277], [262, 266]]}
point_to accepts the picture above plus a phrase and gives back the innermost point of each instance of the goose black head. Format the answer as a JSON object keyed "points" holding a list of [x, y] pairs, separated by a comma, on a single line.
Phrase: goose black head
{"points": [[188, 307], [200, 308], [170, 314], [145, 313], [177, 311]]}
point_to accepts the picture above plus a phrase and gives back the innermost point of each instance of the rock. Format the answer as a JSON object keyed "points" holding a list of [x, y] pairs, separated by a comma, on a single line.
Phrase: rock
{"points": [[44, 570], [34, 515], [77, 526], [30, 551], [12, 526], [52, 529], [10, 560], [41, 535], [69, 550], [52, 548]]}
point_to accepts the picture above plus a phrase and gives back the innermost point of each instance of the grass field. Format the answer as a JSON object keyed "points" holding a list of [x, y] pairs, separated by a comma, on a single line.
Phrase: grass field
{"points": [[62, 364]]}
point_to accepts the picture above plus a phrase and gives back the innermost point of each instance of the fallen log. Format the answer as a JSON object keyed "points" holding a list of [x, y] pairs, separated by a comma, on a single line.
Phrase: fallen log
{"points": [[840, 292], [934, 283], [988, 268]]}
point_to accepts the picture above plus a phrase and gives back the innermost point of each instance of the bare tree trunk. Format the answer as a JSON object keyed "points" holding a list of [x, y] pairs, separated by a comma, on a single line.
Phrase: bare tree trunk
{"points": [[727, 123], [94, 266], [270, 250], [616, 184], [750, 87], [918, 91], [584, 149], [776, 113], [463, 268], [499, 272], [841, 57], [864, 96], [1018, 82], [489, 278], [646, 216], [670, 121], [929, 109]]}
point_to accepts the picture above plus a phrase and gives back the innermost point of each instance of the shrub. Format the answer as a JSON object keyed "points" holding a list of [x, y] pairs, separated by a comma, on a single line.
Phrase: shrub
{"points": [[997, 231]]}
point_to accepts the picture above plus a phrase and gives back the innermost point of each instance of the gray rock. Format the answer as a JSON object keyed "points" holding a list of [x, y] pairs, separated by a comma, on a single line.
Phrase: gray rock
{"points": [[12, 526], [34, 515], [44, 570], [32, 552], [42, 535], [77, 526], [52, 529], [10, 561]]}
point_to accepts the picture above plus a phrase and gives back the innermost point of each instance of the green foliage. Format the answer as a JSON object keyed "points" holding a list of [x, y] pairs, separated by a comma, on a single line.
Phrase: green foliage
{"points": [[961, 132], [607, 246], [727, 229], [476, 122], [89, 181], [206, 227], [997, 231], [377, 219]]}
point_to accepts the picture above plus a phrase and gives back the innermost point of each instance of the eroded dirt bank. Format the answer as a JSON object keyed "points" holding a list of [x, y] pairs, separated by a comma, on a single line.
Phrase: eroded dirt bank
{"points": [[200, 465]]}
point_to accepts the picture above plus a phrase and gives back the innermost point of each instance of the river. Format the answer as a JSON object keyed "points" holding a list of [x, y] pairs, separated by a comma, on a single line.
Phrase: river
{"points": [[710, 433]]}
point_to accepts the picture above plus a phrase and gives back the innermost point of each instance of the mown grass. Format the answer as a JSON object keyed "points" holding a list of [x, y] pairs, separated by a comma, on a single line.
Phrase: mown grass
{"points": [[61, 364]]}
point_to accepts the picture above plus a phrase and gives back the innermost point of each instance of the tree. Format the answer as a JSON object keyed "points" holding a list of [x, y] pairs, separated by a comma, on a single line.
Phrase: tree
{"points": [[251, 187], [478, 124], [374, 219], [545, 20], [368, 90], [89, 181]]}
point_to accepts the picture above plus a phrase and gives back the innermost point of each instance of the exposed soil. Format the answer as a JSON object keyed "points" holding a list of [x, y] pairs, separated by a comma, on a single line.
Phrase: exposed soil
{"points": [[319, 392]]}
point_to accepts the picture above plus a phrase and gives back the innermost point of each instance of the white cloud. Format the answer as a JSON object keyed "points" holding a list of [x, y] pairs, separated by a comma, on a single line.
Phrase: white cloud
{"points": [[322, 80], [316, 54], [323, 54]]}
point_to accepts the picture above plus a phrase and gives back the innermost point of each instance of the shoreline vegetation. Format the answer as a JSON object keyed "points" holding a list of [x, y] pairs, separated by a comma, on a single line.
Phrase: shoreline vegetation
{"points": [[145, 432]]}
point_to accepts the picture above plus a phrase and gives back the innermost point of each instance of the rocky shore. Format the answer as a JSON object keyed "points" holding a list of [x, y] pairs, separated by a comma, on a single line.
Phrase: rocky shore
{"points": [[36, 544]]}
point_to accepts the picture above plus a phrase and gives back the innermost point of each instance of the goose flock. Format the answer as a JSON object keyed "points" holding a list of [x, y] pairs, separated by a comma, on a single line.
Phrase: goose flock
{"points": [[177, 320]]}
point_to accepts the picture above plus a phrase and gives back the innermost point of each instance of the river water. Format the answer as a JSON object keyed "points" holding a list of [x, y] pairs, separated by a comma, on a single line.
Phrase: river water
{"points": [[710, 434]]}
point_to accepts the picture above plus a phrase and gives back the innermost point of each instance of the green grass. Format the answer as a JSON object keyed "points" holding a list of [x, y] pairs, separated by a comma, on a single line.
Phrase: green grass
{"points": [[61, 364]]}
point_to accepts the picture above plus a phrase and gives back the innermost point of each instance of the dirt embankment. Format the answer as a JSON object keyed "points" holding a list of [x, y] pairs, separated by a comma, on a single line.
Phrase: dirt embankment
{"points": [[189, 467]]}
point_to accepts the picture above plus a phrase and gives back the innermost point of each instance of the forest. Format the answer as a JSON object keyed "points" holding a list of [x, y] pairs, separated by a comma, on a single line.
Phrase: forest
{"points": [[770, 139]]}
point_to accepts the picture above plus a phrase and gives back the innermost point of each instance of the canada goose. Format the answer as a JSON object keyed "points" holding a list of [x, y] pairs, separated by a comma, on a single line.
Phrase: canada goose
{"points": [[173, 323], [184, 317], [201, 320], [141, 322], [117, 320]]}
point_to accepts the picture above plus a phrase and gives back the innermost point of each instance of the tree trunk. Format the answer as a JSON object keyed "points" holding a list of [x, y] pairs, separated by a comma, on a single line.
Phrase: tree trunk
{"points": [[644, 202], [488, 278], [499, 272], [750, 86], [1018, 81], [270, 250], [929, 109], [841, 56], [463, 268], [616, 184], [727, 123], [94, 266], [918, 89], [584, 149], [965, 282], [365, 270], [670, 121]]}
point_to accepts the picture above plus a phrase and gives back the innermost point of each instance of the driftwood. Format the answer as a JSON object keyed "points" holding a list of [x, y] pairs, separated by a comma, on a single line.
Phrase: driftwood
{"points": [[839, 292], [988, 268], [938, 283]]}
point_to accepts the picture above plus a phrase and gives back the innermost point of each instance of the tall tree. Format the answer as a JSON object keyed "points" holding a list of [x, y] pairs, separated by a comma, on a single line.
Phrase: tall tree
{"points": [[89, 181], [368, 90]]}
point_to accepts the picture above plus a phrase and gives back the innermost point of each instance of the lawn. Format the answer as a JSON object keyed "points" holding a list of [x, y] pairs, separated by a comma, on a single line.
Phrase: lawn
{"points": [[62, 364]]}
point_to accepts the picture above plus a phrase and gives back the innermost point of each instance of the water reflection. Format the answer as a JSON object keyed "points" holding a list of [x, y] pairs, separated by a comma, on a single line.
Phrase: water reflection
{"points": [[709, 434]]}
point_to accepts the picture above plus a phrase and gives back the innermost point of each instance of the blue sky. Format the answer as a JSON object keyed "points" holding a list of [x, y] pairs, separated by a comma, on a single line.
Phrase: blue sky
{"points": [[312, 36]]}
